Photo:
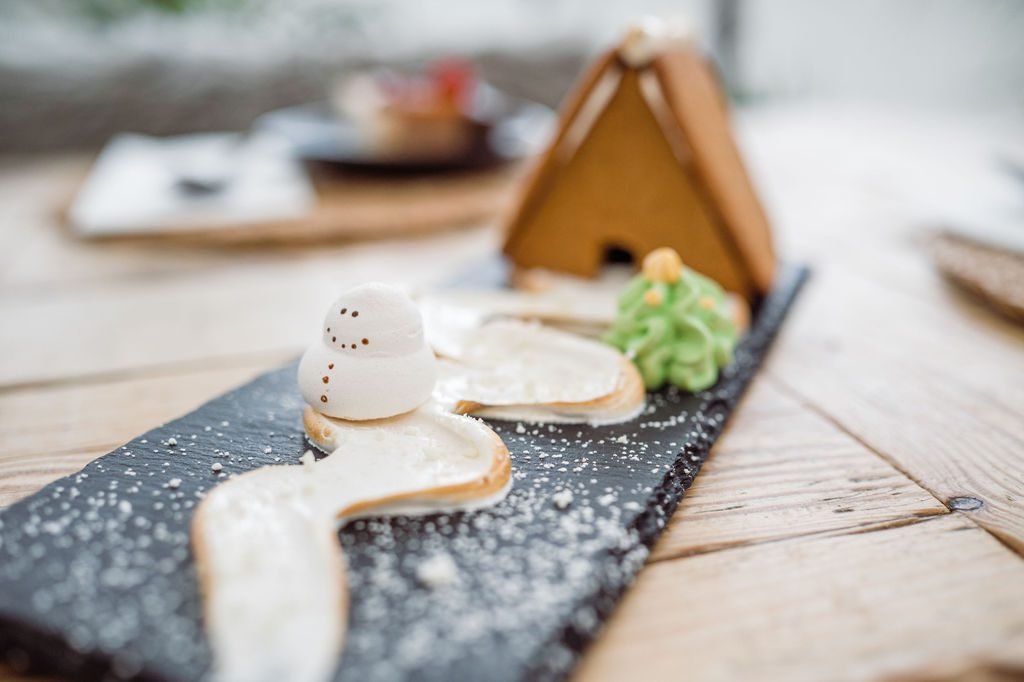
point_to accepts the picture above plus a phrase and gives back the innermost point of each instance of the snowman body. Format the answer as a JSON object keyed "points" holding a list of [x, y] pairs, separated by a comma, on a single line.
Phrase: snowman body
{"points": [[371, 360]]}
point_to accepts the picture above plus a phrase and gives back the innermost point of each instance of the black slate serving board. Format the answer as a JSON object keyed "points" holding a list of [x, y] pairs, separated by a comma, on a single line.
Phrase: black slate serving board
{"points": [[97, 579]]}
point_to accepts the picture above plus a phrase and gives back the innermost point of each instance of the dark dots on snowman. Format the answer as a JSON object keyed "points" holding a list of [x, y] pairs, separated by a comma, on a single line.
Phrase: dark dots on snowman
{"points": [[326, 379], [343, 311], [355, 313], [366, 341], [334, 339], [323, 398], [330, 365]]}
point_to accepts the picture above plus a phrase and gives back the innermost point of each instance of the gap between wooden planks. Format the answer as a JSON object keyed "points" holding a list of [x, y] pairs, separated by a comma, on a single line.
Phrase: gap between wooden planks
{"points": [[781, 471], [919, 386], [51, 431]]}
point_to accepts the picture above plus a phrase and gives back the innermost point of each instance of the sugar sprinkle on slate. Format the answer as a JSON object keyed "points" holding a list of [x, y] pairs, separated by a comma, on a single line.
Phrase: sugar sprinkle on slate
{"points": [[437, 571]]}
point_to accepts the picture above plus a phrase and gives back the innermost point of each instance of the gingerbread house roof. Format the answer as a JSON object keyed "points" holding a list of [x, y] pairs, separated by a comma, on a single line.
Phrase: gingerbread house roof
{"points": [[644, 157]]}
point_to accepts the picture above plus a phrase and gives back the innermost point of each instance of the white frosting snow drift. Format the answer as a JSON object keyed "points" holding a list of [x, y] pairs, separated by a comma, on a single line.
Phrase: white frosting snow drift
{"points": [[372, 360]]}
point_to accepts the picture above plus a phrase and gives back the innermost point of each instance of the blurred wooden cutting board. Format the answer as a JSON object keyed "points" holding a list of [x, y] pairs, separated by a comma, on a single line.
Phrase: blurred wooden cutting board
{"points": [[347, 205]]}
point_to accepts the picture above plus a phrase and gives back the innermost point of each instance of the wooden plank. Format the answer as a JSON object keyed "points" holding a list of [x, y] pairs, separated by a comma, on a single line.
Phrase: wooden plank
{"points": [[983, 349], [78, 333], [51, 431], [26, 193], [782, 471], [123, 325], [925, 355], [24, 474], [936, 595], [893, 282], [939, 402], [37, 250], [52, 419]]}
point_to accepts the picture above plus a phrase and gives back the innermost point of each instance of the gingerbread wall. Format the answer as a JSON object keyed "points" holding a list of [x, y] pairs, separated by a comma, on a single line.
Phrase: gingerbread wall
{"points": [[624, 186]]}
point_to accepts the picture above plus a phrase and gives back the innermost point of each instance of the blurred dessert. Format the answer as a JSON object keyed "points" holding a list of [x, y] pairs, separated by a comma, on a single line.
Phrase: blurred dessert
{"points": [[415, 117]]}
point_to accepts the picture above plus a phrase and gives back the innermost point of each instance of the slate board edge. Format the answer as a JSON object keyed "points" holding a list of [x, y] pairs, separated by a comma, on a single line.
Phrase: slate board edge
{"points": [[34, 650]]}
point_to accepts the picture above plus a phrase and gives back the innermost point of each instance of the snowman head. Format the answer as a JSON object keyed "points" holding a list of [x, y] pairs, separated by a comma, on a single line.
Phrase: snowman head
{"points": [[373, 320]]}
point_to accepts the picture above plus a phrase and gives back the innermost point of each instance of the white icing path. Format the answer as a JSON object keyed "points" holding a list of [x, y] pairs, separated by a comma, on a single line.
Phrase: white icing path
{"points": [[266, 541]]}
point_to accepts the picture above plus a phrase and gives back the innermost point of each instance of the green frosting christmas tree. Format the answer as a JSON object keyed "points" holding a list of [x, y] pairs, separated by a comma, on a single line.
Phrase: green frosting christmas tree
{"points": [[674, 324]]}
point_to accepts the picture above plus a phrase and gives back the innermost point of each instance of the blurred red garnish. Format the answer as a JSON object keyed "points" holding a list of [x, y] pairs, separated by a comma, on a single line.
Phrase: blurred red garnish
{"points": [[454, 81]]}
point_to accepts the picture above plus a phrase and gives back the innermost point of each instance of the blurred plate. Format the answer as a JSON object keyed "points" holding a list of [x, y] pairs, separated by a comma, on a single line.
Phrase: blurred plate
{"points": [[512, 128]]}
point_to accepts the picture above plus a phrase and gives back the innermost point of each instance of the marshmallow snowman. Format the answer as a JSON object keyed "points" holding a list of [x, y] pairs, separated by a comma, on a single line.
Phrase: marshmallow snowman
{"points": [[372, 360]]}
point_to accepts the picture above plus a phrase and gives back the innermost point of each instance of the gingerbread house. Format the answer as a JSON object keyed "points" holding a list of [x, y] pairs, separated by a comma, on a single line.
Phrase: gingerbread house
{"points": [[644, 157]]}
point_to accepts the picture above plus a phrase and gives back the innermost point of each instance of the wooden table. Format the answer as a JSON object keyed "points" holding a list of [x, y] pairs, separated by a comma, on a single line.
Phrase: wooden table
{"points": [[863, 518]]}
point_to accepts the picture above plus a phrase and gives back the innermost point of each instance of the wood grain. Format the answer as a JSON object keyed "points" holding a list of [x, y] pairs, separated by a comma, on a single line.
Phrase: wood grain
{"points": [[120, 324], [781, 471], [24, 474], [47, 419], [937, 594], [950, 419], [51, 431]]}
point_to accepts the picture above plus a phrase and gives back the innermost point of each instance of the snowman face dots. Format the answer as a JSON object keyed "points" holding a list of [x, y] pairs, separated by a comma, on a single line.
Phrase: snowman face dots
{"points": [[349, 314], [374, 321]]}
